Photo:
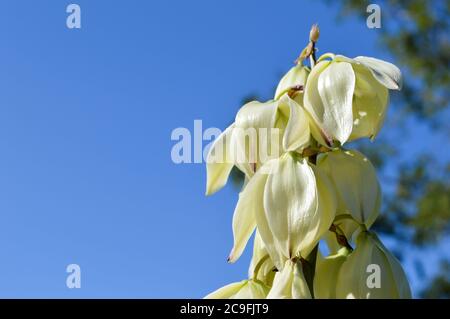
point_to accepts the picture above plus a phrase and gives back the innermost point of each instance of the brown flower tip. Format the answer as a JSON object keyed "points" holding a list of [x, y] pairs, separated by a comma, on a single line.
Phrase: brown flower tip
{"points": [[314, 33]]}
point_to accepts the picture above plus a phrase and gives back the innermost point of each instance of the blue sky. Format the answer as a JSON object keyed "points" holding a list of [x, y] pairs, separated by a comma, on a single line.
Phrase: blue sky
{"points": [[86, 117]]}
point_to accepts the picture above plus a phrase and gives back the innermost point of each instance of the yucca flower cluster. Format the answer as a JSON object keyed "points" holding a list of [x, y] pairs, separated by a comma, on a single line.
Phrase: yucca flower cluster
{"points": [[303, 187]]}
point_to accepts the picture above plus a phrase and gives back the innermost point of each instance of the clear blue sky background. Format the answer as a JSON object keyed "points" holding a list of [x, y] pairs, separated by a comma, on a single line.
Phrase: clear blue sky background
{"points": [[86, 116]]}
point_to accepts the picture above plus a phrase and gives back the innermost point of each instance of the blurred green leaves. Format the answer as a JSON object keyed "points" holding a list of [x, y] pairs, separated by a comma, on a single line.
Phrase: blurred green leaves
{"points": [[439, 287]]}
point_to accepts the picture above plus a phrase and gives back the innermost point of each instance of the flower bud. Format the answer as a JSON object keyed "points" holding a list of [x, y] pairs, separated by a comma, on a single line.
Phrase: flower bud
{"points": [[314, 33], [371, 272]]}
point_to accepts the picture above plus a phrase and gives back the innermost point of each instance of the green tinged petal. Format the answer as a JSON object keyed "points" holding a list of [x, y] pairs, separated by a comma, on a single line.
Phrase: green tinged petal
{"points": [[261, 266], [218, 162], [369, 104], [327, 206], [356, 184], [402, 285], [330, 240], [259, 252], [371, 272], [317, 133], [227, 291], [326, 275], [246, 289], [296, 77], [244, 220], [252, 290], [296, 134]]}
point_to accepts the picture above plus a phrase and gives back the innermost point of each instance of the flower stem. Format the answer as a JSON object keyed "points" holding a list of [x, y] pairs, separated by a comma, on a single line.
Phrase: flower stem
{"points": [[312, 57]]}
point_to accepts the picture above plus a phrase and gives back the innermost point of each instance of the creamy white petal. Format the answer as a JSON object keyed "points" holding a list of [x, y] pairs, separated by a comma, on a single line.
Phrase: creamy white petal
{"points": [[261, 259], [326, 275], [252, 290], [336, 85], [244, 220], [343, 58], [299, 207], [261, 220], [300, 289], [289, 283], [218, 162], [351, 283], [402, 285], [256, 134], [245, 289], [290, 197], [239, 151], [369, 104], [256, 114], [282, 284], [259, 252], [297, 133], [296, 76], [386, 73], [368, 261], [312, 100], [227, 291], [327, 200], [316, 132]]}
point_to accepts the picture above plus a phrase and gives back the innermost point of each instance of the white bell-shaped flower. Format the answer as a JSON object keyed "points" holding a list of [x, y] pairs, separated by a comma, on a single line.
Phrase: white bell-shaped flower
{"points": [[348, 97], [293, 204], [356, 184], [261, 131], [371, 272], [299, 206]]}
